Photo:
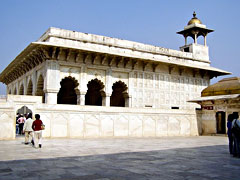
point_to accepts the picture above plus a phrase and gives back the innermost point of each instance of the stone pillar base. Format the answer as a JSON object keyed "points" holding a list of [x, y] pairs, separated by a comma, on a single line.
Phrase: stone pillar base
{"points": [[82, 98], [106, 101], [51, 97]]}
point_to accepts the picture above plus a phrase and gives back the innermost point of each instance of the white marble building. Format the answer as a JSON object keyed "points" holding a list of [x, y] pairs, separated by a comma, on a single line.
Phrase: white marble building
{"points": [[86, 85]]}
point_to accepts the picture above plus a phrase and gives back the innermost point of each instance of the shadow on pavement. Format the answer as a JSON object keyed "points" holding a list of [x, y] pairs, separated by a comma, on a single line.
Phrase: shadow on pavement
{"points": [[209, 162]]}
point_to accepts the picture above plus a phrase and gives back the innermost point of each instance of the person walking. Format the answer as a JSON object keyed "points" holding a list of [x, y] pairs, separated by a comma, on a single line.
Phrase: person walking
{"points": [[37, 127], [21, 124], [17, 124], [236, 135], [229, 132], [27, 129]]}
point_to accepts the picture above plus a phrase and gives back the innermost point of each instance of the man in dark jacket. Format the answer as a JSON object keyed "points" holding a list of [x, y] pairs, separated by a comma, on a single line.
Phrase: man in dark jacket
{"points": [[236, 135]]}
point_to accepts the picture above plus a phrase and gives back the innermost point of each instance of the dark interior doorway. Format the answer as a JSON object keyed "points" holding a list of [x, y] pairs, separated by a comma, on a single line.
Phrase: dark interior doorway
{"points": [[67, 93], [221, 122], [118, 95], [94, 93]]}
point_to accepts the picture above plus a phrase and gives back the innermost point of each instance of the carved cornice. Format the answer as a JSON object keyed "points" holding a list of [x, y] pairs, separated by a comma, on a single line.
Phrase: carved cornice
{"points": [[23, 64], [37, 53]]}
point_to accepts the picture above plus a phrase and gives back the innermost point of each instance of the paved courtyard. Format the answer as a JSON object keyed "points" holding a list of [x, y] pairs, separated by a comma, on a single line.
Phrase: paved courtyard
{"points": [[173, 158]]}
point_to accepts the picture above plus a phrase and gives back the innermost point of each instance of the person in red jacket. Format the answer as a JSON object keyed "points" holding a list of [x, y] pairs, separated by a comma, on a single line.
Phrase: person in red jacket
{"points": [[37, 128]]}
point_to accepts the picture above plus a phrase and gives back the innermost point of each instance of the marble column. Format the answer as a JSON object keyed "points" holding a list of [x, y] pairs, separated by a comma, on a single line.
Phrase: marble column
{"points": [[195, 38], [106, 99], [83, 85], [52, 81], [185, 40], [205, 41], [128, 101], [34, 80], [82, 98], [24, 86]]}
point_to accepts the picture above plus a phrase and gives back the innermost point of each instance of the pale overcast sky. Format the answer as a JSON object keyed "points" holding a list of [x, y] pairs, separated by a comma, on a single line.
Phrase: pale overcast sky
{"points": [[152, 22]]}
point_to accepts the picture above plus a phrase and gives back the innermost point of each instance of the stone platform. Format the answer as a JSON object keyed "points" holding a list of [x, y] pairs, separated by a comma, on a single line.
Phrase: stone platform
{"points": [[179, 158]]}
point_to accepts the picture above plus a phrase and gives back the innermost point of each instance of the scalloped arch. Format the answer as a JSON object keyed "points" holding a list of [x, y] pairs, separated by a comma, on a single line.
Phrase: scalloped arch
{"points": [[71, 78]]}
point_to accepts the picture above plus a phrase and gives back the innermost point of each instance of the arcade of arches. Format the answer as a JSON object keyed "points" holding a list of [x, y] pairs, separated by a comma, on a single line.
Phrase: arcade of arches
{"points": [[69, 93], [95, 93]]}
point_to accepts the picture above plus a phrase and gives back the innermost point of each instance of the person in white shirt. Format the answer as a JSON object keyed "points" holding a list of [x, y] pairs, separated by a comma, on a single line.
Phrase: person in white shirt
{"points": [[27, 129]]}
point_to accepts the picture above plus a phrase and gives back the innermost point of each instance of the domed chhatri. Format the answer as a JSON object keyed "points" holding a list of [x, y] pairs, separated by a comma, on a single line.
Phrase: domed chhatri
{"points": [[223, 87], [194, 29], [194, 20]]}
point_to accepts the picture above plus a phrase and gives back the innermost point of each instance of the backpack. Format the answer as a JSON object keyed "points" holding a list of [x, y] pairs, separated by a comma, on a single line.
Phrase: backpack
{"points": [[236, 129]]}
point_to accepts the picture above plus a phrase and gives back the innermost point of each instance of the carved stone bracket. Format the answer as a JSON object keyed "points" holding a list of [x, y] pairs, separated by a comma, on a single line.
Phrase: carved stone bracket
{"points": [[125, 62], [104, 59], [170, 69], [88, 58], [53, 52], [134, 63], [194, 72], [181, 70], [144, 65], [59, 54], [111, 60], [45, 52], [96, 58], [202, 73], [68, 55], [80, 56], [154, 66], [119, 61]]}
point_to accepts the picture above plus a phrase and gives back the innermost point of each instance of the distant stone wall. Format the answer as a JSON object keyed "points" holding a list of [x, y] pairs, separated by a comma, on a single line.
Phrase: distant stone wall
{"points": [[7, 121], [8, 110], [92, 122], [76, 121]]}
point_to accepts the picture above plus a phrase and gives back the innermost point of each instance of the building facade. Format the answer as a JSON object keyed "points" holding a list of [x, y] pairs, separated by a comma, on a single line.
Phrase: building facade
{"points": [[86, 85], [218, 101]]}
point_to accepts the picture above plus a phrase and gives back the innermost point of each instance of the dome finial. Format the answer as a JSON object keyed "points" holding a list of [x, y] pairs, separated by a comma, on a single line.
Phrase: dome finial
{"points": [[194, 20], [194, 14]]}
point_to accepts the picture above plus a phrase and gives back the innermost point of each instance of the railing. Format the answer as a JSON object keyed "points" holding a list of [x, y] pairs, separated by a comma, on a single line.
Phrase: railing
{"points": [[3, 96]]}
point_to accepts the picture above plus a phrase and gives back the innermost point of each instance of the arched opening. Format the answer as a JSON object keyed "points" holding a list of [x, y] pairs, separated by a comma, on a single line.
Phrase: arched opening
{"points": [[94, 93], [30, 88], [119, 94], [15, 91], [67, 93], [200, 40], [40, 85], [21, 90], [24, 110], [21, 115], [10, 92]]}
